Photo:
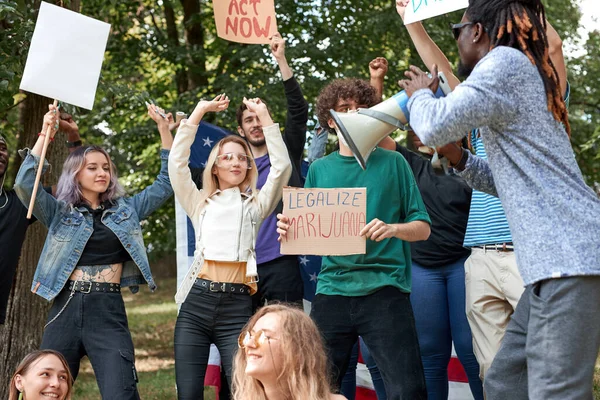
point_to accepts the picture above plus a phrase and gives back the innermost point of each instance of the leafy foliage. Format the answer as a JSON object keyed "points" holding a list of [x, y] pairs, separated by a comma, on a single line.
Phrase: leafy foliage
{"points": [[168, 51]]}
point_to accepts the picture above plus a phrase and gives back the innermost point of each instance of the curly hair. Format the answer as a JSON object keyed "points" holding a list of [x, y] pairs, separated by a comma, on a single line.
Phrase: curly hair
{"points": [[304, 374], [350, 88], [521, 24]]}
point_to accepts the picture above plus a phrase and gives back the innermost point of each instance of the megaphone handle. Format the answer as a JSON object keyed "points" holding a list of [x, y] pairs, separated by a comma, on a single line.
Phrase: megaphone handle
{"points": [[384, 118]]}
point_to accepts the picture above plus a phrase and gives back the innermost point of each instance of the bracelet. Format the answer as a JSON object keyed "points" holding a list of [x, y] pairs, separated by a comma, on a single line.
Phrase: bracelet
{"points": [[43, 134], [71, 145], [461, 164]]}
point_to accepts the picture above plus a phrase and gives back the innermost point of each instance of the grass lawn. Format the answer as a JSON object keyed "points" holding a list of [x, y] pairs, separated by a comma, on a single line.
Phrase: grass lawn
{"points": [[151, 321]]}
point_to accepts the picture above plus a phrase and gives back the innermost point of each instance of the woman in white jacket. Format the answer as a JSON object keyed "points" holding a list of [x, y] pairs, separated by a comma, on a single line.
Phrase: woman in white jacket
{"points": [[226, 214]]}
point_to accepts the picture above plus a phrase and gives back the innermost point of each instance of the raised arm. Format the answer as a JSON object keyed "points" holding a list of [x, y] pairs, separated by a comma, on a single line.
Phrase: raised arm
{"points": [[281, 167], [277, 47], [152, 197], [184, 187], [441, 121], [429, 52], [377, 70], [294, 134], [46, 205], [556, 55]]}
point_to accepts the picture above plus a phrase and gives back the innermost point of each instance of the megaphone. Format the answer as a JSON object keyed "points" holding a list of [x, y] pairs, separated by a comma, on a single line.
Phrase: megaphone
{"points": [[363, 129]]}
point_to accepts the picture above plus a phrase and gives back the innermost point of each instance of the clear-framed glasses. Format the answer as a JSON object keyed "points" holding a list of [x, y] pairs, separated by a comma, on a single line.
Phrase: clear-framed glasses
{"points": [[259, 338], [457, 28], [230, 158]]}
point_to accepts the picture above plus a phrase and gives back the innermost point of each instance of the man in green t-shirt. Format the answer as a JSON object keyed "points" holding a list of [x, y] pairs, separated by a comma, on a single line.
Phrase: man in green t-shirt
{"points": [[368, 294]]}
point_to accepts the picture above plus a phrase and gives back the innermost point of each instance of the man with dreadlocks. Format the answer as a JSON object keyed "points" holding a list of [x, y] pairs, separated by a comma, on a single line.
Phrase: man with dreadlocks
{"points": [[512, 94]]}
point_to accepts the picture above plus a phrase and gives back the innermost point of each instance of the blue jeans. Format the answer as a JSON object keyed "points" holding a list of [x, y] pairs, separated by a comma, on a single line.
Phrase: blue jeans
{"points": [[438, 300], [348, 388], [385, 321]]}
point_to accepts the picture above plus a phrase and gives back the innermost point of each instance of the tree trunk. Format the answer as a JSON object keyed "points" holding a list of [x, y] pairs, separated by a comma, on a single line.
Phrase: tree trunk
{"points": [[194, 38]]}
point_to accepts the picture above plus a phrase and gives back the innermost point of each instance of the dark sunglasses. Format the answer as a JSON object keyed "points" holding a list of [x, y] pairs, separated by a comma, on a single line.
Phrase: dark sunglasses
{"points": [[457, 28]]}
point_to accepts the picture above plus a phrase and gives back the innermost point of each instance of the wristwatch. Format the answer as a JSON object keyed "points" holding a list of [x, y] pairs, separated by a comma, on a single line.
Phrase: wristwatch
{"points": [[76, 143]]}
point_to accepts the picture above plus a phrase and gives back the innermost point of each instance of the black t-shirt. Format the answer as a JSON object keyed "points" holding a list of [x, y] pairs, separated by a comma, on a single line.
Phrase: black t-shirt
{"points": [[447, 199], [13, 225], [103, 247]]}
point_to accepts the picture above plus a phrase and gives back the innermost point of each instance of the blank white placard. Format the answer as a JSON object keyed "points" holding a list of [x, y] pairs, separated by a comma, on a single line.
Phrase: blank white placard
{"points": [[65, 56]]}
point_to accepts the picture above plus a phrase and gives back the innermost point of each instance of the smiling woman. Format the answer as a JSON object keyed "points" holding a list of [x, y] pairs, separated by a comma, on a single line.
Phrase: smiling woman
{"points": [[93, 249], [43, 374], [281, 356], [226, 213]]}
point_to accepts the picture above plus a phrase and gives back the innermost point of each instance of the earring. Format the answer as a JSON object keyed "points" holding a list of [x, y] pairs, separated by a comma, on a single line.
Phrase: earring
{"points": [[20, 396], [474, 40]]}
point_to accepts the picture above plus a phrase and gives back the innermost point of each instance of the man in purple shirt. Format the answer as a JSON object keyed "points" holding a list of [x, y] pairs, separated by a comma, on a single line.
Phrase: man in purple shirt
{"points": [[279, 275]]}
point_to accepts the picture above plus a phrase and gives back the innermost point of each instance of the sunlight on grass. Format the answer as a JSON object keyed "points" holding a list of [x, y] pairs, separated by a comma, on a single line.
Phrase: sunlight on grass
{"points": [[153, 309]]}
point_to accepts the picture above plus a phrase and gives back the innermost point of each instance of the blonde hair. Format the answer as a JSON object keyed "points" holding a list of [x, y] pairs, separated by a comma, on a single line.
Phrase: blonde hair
{"points": [[210, 183], [304, 374]]}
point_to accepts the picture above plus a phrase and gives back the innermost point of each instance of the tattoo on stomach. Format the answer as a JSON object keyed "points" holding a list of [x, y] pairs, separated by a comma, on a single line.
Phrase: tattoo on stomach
{"points": [[98, 273]]}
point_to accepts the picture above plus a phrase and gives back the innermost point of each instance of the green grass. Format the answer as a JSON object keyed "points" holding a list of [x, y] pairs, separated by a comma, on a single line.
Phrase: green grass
{"points": [[151, 322]]}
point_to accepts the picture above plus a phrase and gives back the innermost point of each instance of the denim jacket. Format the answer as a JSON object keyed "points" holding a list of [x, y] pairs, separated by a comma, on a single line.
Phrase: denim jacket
{"points": [[70, 227]]}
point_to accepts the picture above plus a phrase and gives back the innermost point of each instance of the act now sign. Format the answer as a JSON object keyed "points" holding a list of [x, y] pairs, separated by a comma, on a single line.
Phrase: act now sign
{"points": [[245, 21], [418, 10]]}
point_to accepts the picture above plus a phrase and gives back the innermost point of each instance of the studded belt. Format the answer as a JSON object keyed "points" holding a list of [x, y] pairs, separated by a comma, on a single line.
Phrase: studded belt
{"points": [[92, 287], [223, 287]]}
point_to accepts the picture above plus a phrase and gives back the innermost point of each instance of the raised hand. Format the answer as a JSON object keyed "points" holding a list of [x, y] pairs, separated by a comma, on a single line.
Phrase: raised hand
{"points": [[66, 124], [219, 103], [378, 68], [418, 79], [256, 105], [277, 46], [51, 121], [158, 115], [401, 7]]}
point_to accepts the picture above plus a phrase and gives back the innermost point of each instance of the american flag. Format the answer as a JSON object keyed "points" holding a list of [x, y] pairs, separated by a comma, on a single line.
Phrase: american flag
{"points": [[206, 137]]}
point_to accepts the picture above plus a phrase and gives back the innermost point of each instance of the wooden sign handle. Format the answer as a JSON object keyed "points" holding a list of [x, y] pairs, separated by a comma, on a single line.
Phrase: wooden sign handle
{"points": [[38, 176]]}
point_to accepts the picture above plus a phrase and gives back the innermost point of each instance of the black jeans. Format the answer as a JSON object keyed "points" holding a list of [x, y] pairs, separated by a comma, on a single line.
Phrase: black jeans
{"points": [[281, 281], [204, 318], [95, 324], [385, 321]]}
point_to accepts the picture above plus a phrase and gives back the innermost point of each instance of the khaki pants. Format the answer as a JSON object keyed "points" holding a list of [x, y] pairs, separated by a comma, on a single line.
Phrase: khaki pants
{"points": [[493, 287]]}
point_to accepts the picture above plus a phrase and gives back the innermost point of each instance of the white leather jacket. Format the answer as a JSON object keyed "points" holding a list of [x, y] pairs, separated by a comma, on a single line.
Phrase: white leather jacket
{"points": [[226, 225]]}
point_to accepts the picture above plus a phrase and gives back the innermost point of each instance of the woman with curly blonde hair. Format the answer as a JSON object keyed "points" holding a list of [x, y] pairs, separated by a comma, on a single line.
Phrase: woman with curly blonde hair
{"points": [[281, 356]]}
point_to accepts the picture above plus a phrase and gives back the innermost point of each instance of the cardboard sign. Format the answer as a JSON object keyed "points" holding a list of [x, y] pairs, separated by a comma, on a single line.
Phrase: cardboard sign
{"points": [[65, 56], [245, 21], [418, 10], [325, 222]]}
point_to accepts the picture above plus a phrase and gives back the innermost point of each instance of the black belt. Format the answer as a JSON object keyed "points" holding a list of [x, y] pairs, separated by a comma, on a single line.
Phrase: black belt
{"points": [[508, 246], [223, 287], [92, 287]]}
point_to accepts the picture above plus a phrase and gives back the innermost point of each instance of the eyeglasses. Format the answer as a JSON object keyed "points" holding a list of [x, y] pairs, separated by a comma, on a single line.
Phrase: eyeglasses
{"points": [[457, 28], [229, 158], [259, 337]]}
